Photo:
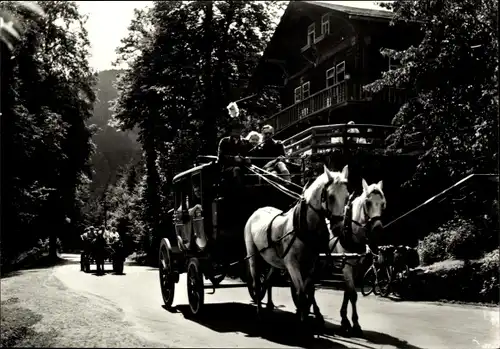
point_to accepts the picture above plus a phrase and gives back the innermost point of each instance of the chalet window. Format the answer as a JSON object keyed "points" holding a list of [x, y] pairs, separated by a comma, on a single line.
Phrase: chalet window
{"points": [[325, 24], [394, 63], [298, 94], [306, 90], [302, 92], [340, 75], [311, 34], [330, 77]]}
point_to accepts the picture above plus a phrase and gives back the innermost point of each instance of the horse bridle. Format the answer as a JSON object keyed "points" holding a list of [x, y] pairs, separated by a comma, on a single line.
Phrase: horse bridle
{"points": [[324, 212], [367, 226]]}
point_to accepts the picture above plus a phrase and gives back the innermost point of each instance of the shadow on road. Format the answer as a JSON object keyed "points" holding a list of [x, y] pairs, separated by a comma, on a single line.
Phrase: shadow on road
{"points": [[44, 262], [105, 272], [281, 327]]}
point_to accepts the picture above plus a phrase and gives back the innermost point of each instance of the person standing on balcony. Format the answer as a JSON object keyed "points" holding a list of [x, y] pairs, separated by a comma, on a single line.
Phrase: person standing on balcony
{"points": [[271, 148]]}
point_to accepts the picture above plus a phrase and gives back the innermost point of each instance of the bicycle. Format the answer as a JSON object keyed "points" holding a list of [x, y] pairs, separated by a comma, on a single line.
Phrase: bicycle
{"points": [[376, 278], [398, 272]]}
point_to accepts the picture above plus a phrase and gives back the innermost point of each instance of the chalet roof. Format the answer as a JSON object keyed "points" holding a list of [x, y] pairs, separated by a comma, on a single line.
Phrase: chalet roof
{"points": [[293, 8], [353, 11]]}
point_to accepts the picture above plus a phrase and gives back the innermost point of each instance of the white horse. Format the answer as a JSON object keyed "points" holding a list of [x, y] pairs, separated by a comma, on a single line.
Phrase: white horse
{"points": [[292, 240], [365, 224]]}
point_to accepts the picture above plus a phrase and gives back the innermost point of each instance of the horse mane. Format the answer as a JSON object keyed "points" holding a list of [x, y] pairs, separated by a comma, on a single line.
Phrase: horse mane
{"points": [[321, 181]]}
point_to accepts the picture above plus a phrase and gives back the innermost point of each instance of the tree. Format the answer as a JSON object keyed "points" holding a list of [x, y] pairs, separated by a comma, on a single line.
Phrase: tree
{"points": [[187, 61], [48, 98], [11, 24], [453, 79]]}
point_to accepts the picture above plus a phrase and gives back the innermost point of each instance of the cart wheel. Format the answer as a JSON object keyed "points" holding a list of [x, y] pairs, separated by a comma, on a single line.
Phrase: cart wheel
{"points": [[195, 287], [167, 281], [368, 282], [263, 288]]}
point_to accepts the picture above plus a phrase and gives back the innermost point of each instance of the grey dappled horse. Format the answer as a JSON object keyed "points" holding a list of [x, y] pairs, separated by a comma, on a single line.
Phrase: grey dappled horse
{"points": [[365, 223], [292, 240]]}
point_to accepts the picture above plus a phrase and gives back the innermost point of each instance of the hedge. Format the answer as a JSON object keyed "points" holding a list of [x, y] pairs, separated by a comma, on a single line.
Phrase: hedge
{"points": [[457, 280]]}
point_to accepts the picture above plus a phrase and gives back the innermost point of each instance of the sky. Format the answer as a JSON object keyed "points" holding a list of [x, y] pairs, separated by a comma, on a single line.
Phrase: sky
{"points": [[108, 22]]}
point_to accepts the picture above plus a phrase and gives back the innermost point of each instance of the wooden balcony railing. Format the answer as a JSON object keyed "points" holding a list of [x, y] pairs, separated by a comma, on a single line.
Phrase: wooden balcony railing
{"points": [[330, 97], [322, 100], [324, 137]]}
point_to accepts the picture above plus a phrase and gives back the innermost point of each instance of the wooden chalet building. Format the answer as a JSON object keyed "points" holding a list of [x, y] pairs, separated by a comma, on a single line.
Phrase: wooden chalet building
{"points": [[320, 57]]}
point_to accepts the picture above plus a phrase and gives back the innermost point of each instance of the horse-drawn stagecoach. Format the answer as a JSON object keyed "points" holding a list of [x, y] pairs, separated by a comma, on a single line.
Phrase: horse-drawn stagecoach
{"points": [[207, 239], [249, 231]]}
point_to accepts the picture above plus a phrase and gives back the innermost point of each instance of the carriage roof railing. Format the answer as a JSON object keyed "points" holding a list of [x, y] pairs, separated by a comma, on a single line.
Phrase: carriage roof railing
{"points": [[456, 186]]}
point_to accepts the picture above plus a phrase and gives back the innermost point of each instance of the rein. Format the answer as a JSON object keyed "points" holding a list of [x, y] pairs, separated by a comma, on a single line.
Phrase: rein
{"points": [[347, 233]]}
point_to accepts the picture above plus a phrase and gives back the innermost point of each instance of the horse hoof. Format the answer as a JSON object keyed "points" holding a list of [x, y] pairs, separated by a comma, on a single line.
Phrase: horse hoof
{"points": [[357, 331], [345, 329], [320, 321]]}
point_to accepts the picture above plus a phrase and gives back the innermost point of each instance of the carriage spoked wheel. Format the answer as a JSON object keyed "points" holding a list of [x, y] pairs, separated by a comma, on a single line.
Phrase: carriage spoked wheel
{"points": [[263, 276], [195, 287], [167, 282]]}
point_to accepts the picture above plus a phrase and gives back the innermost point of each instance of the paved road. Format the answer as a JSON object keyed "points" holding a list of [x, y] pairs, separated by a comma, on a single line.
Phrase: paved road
{"points": [[136, 299]]}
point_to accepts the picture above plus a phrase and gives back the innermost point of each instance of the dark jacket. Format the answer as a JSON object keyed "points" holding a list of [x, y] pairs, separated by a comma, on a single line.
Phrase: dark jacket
{"points": [[229, 148], [269, 149]]}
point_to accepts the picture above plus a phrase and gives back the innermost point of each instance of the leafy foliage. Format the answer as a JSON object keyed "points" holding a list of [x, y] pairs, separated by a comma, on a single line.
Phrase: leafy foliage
{"points": [[47, 95], [187, 61], [453, 77], [459, 238]]}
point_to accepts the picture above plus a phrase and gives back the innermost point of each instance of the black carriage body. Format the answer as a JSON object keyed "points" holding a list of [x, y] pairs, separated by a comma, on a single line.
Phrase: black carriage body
{"points": [[225, 211]]}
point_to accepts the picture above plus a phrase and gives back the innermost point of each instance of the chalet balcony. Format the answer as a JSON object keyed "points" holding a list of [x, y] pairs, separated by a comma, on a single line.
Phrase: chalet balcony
{"points": [[322, 100], [330, 97]]}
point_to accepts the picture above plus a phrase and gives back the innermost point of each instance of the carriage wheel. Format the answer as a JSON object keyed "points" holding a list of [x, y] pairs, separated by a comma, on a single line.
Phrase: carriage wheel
{"points": [[195, 287], [368, 282], [263, 289], [167, 282]]}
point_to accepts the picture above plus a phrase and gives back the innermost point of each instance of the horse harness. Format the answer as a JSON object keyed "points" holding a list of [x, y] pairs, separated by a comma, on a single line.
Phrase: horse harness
{"points": [[300, 222], [346, 237]]}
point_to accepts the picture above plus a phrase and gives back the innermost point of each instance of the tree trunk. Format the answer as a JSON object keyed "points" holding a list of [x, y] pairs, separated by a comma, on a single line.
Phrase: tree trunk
{"points": [[210, 115]]}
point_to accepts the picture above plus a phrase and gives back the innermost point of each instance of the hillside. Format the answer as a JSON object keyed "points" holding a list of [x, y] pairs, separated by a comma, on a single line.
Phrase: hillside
{"points": [[114, 149]]}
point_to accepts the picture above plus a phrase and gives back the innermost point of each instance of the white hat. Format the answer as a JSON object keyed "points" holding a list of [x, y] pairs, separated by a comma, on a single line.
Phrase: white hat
{"points": [[233, 110]]}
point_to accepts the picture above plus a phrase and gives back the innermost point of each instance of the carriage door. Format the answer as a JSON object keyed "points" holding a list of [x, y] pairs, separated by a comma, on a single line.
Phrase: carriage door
{"points": [[182, 220], [196, 209]]}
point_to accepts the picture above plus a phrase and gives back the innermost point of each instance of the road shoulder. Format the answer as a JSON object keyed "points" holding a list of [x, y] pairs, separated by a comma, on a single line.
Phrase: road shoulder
{"points": [[38, 310]]}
